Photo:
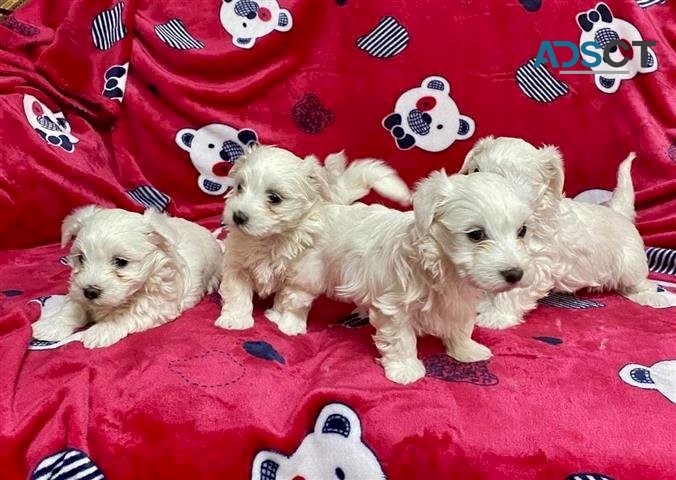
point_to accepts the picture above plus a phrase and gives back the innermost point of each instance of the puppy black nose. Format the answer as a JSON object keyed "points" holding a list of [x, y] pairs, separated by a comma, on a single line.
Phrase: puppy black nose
{"points": [[91, 292], [512, 275], [239, 218]]}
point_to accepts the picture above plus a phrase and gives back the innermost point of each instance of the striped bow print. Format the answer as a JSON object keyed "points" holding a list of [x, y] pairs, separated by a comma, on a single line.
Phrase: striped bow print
{"points": [[650, 3], [174, 34], [565, 300], [661, 260], [150, 197], [108, 28]]}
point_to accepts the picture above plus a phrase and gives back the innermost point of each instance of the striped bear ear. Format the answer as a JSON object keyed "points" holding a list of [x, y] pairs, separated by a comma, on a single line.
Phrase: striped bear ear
{"points": [[68, 463], [284, 21]]}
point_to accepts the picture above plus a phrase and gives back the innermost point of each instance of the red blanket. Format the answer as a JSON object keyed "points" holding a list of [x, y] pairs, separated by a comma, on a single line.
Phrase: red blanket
{"points": [[147, 104]]}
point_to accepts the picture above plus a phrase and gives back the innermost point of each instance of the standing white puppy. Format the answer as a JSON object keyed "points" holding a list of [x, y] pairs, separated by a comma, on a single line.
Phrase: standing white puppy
{"points": [[575, 245], [274, 214], [418, 272], [131, 272]]}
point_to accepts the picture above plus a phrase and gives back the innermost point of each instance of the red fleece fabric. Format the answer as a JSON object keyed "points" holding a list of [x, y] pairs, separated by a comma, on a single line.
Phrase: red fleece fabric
{"points": [[188, 400]]}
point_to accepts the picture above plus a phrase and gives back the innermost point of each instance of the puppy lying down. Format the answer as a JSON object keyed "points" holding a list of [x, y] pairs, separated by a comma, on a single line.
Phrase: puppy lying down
{"points": [[130, 272], [574, 245], [417, 272]]}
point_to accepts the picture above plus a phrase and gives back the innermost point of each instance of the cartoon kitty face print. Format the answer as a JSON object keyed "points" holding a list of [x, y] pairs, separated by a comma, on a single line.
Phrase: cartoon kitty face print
{"points": [[601, 26], [427, 117], [51, 126], [333, 451], [248, 20], [213, 151]]}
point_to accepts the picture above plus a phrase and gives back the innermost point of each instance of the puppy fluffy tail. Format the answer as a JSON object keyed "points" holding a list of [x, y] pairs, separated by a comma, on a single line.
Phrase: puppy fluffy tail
{"points": [[349, 184], [622, 200]]}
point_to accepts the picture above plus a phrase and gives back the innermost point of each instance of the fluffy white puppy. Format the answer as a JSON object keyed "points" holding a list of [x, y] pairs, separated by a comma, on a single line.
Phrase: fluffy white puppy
{"points": [[417, 272], [130, 272], [574, 245], [274, 215]]}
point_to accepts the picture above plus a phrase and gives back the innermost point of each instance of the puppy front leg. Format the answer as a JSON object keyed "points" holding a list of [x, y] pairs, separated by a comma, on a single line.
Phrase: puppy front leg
{"points": [[237, 295], [62, 324], [459, 343], [290, 310], [396, 342]]}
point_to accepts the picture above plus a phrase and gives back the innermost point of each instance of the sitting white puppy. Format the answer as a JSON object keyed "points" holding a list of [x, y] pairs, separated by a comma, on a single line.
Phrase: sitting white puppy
{"points": [[274, 214], [574, 245], [130, 272], [417, 272]]}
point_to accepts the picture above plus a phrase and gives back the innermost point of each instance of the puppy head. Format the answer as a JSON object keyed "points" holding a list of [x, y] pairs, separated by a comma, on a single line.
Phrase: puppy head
{"points": [[478, 223], [115, 254], [538, 172], [274, 190]]}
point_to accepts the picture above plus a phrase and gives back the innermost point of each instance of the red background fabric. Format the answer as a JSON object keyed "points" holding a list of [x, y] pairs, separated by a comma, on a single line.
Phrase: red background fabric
{"points": [[556, 409]]}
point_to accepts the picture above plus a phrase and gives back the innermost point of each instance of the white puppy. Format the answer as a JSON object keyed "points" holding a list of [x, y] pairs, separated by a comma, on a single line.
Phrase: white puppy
{"points": [[417, 272], [131, 272], [274, 214], [575, 245]]}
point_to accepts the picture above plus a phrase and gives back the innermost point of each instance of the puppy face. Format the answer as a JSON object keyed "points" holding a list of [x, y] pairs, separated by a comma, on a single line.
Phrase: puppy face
{"points": [[479, 223], [534, 171], [114, 254], [274, 190]]}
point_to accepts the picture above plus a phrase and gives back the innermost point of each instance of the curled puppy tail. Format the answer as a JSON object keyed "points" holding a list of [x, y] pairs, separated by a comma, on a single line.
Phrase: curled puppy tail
{"points": [[347, 184], [622, 200]]}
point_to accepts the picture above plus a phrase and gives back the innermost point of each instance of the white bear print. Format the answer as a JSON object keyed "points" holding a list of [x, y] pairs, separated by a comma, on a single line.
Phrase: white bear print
{"points": [[427, 117], [333, 451], [599, 25], [248, 20], [51, 126], [661, 377], [213, 151]]}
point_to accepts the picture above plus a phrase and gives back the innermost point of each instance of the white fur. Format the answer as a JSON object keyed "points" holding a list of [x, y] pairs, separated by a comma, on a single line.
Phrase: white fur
{"points": [[574, 245], [262, 253], [416, 273], [171, 264]]}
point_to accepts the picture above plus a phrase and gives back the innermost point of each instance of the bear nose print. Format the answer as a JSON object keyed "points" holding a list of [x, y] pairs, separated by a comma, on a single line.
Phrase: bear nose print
{"points": [[512, 275], [239, 218], [251, 15], [91, 292], [426, 103]]}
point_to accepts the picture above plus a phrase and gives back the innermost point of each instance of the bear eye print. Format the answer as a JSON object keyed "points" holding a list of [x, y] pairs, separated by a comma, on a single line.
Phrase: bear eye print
{"points": [[522, 232], [340, 475], [211, 145], [477, 235], [440, 126], [120, 262], [274, 198]]}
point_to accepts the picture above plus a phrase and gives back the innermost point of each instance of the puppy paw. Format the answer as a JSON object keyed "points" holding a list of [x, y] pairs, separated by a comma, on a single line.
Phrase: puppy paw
{"points": [[287, 323], [102, 335], [404, 371], [497, 320], [51, 330], [469, 351], [234, 321]]}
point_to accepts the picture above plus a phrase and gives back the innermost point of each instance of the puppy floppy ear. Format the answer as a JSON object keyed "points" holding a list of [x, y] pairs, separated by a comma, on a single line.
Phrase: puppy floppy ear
{"points": [[158, 230], [479, 147], [75, 221], [429, 195], [317, 177], [551, 163]]}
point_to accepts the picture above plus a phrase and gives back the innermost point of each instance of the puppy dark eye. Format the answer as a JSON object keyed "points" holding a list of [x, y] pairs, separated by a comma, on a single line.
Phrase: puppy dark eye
{"points": [[120, 262], [475, 170], [522, 232], [274, 198], [239, 188], [477, 235], [79, 259]]}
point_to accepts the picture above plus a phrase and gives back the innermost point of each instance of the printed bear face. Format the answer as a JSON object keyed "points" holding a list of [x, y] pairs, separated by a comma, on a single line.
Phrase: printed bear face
{"points": [[213, 150], [427, 117], [247, 20], [51, 126], [333, 451], [599, 25]]}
